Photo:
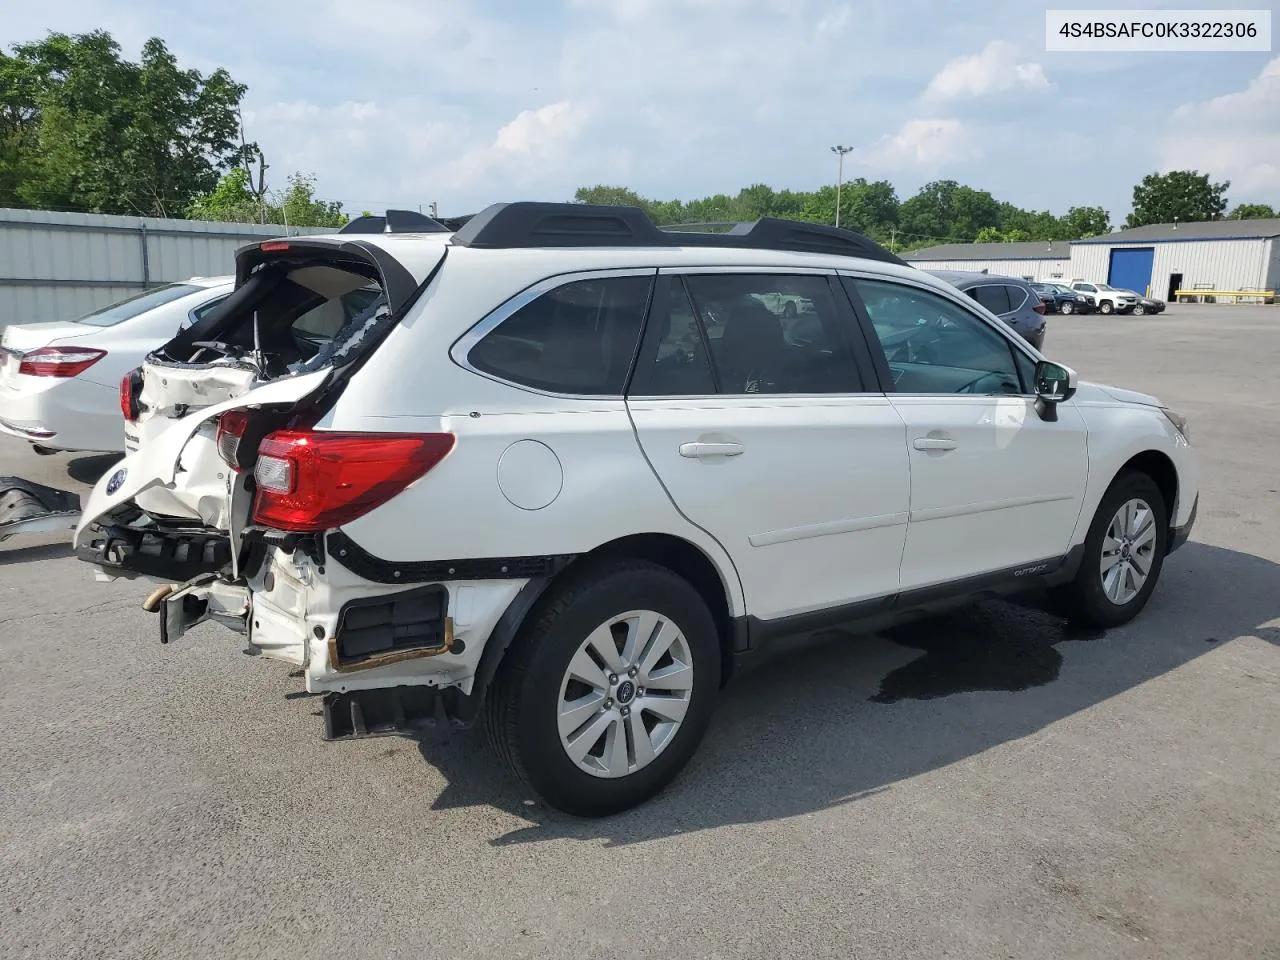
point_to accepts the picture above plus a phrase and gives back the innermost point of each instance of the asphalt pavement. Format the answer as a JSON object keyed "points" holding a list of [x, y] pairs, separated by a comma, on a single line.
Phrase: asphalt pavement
{"points": [[984, 785]]}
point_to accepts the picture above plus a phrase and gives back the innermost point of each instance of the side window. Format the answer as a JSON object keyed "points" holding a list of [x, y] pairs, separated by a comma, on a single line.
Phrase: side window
{"points": [[200, 312], [934, 346], [578, 338], [1086, 287], [993, 296], [1017, 296], [680, 367], [774, 333]]}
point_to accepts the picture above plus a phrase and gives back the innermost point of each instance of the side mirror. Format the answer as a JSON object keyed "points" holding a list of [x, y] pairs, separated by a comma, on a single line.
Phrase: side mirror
{"points": [[1054, 384]]}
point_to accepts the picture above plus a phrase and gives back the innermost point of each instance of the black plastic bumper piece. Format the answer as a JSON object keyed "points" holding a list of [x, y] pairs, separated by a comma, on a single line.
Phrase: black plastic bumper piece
{"points": [[1180, 535], [364, 564], [387, 712], [21, 501], [166, 554]]}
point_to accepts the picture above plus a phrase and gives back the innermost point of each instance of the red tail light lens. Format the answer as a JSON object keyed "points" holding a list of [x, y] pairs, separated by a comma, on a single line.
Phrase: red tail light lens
{"points": [[231, 427], [130, 387], [1039, 308], [59, 361], [317, 480]]}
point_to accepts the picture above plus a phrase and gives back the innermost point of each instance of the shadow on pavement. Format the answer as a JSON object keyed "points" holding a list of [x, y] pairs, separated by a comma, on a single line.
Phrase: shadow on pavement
{"points": [[841, 717], [91, 468], [43, 551]]}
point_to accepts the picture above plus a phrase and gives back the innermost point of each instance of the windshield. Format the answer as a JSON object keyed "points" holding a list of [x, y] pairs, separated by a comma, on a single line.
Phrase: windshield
{"points": [[1103, 286], [129, 308]]}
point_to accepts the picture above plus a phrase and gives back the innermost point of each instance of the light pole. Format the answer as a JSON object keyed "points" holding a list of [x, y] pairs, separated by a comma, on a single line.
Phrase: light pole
{"points": [[839, 152]]}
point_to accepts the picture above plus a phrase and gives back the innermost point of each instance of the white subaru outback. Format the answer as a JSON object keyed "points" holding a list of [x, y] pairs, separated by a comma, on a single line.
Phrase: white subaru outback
{"points": [[562, 471]]}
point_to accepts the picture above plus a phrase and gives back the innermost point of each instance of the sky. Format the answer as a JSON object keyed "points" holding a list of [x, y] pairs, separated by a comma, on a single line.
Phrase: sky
{"points": [[395, 103]]}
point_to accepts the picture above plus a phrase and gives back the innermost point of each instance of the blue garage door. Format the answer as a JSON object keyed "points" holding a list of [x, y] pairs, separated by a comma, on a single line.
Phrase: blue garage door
{"points": [[1131, 268]]}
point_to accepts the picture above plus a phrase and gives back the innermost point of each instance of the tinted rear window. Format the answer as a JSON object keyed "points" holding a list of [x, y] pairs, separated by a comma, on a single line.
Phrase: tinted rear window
{"points": [[127, 309], [577, 339]]}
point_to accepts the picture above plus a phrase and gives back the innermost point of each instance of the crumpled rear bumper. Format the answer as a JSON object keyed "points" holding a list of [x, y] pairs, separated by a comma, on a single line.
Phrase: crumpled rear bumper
{"points": [[27, 507]]}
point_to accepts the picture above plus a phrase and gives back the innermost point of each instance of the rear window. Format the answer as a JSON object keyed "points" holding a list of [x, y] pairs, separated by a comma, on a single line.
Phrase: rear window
{"points": [[127, 309], [577, 339]]}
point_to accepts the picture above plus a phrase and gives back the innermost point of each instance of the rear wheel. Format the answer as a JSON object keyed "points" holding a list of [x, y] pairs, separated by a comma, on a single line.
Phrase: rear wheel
{"points": [[609, 691], [1123, 555], [1139, 310]]}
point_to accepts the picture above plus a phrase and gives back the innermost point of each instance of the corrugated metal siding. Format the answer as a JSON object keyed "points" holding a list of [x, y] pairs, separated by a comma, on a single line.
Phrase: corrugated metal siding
{"points": [[59, 266], [1039, 269], [1225, 264], [1273, 271]]}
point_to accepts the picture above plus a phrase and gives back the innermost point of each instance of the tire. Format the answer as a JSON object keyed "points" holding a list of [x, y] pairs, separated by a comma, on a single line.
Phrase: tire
{"points": [[524, 708], [1085, 600], [1105, 307], [1139, 310], [1067, 308]]}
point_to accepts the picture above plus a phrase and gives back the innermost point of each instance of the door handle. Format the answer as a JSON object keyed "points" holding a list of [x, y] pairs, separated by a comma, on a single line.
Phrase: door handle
{"points": [[701, 449], [933, 443]]}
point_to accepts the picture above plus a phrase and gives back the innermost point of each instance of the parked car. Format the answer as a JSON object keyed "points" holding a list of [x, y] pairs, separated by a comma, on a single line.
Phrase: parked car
{"points": [[528, 486], [1059, 298], [1146, 305], [60, 381], [1013, 301], [1107, 299]]}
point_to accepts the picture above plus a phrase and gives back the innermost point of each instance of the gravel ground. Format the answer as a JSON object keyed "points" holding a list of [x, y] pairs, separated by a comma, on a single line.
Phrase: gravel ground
{"points": [[982, 785]]}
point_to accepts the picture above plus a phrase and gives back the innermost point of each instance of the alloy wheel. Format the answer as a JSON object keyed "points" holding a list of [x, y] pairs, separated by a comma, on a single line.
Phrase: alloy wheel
{"points": [[1128, 551], [625, 694]]}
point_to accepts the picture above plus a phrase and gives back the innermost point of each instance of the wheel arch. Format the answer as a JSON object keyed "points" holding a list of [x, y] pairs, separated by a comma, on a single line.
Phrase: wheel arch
{"points": [[1160, 468]]}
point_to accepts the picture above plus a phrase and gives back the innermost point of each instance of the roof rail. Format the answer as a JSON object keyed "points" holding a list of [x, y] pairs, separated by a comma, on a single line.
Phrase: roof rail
{"points": [[526, 224], [395, 221]]}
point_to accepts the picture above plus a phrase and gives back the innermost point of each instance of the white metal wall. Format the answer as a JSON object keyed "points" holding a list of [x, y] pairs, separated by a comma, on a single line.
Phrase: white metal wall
{"points": [[59, 266], [1226, 264], [1039, 269]]}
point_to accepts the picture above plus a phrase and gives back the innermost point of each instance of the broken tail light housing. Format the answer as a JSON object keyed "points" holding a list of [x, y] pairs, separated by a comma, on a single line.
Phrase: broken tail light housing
{"points": [[310, 481], [130, 390], [59, 361], [1039, 308], [231, 428]]}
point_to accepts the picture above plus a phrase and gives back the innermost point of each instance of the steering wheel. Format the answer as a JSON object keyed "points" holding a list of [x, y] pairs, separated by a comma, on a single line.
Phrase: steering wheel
{"points": [[976, 385]]}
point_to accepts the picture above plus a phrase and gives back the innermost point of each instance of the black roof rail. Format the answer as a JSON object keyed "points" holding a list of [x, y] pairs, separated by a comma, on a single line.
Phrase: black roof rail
{"points": [[395, 221], [528, 224]]}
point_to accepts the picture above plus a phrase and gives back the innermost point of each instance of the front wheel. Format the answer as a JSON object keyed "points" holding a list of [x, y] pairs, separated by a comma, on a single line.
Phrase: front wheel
{"points": [[1105, 307], [1123, 555], [609, 690], [1067, 308]]}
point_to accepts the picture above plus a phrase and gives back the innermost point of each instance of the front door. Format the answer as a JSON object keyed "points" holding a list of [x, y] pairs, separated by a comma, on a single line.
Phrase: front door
{"points": [[753, 406], [993, 486]]}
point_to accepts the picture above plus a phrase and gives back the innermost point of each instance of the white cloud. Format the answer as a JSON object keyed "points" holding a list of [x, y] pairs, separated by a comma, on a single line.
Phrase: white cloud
{"points": [[995, 70], [1234, 137], [922, 143]]}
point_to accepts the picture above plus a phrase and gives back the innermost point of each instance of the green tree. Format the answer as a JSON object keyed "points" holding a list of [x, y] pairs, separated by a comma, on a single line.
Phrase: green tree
{"points": [[609, 196], [85, 129], [297, 205], [989, 235], [1252, 211], [1081, 222], [1185, 195], [944, 211], [233, 200]]}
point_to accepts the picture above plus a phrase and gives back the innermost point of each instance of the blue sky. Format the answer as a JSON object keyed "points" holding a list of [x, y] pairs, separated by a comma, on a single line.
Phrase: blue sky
{"points": [[467, 102]]}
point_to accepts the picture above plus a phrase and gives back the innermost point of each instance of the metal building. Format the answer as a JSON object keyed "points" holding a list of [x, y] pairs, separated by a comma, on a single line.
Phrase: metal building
{"points": [[1223, 255], [59, 266], [1035, 259]]}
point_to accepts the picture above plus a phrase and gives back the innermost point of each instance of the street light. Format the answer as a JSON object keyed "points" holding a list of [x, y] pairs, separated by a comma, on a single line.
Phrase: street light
{"points": [[839, 152]]}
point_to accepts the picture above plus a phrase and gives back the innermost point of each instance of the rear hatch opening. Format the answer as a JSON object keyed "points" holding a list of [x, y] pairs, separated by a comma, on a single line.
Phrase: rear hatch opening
{"points": [[269, 360]]}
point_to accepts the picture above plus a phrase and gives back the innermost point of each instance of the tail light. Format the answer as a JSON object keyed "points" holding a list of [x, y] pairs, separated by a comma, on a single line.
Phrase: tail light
{"points": [[310, 481], [1039, 308], [59, 361], [231, 428], [130, 388]]}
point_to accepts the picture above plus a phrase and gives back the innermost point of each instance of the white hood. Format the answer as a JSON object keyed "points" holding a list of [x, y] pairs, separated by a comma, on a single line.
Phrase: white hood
{"points": [[1087, 392]]}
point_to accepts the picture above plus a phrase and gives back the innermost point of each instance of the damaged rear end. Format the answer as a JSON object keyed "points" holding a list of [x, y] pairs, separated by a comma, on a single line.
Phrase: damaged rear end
{"points": [[229, 486]]}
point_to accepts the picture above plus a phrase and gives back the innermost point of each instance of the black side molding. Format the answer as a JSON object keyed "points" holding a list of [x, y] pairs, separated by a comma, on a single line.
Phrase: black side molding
{"points": [[344, 550]]}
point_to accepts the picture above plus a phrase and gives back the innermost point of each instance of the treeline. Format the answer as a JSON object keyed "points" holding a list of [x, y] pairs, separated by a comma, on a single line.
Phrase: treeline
{"points": [[943, 211], [84, 129]]}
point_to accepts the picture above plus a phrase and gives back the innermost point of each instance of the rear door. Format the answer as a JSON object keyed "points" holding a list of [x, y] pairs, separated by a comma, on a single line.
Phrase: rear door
{"points": [[764, 426], [993, 486]]}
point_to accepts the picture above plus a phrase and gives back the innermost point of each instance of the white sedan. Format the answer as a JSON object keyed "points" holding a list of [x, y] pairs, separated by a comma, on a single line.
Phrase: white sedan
{"points": [[60, 381]]}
